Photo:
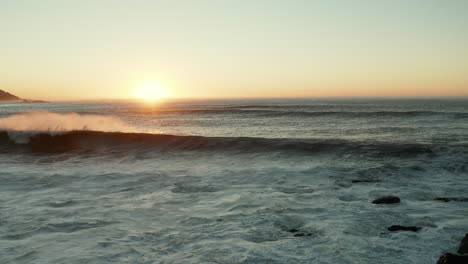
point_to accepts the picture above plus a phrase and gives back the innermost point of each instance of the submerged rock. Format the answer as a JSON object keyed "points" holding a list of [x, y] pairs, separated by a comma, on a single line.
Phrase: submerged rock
{"points": [[364, 181], [302, 234], [297, 233], [404, 228], [451, 199], [463, 249], [452, 259], [386, 200]]}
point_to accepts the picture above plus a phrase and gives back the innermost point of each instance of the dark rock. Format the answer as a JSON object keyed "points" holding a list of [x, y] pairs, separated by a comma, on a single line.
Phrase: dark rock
{"points": [[451, 199], [298, 233], [404, 228], [452, 259], [302, 234], [463, 249], [386, 200], [363, 181], [443, 199]]}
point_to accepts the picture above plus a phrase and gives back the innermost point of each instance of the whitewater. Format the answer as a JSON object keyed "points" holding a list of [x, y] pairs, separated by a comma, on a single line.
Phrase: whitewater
{"points": [[233, 181]]}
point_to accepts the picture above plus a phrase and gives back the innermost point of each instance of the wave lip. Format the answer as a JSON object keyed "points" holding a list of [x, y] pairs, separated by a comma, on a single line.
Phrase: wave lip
{"points": [[58, 122]]}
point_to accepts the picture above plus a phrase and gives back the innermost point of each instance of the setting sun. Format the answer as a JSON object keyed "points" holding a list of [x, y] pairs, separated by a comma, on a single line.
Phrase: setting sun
{"points": [[151, 91]]}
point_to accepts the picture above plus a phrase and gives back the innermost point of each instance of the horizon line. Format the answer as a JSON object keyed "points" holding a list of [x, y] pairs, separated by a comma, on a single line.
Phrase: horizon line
{"points": [[259, 98]]}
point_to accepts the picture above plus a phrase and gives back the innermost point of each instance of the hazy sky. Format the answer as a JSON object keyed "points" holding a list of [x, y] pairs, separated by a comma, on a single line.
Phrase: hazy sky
{"points": [[241, 48]]}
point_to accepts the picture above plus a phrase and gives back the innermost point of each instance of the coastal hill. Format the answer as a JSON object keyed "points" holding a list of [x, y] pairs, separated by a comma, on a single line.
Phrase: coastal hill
{"points": [[6, 96]]}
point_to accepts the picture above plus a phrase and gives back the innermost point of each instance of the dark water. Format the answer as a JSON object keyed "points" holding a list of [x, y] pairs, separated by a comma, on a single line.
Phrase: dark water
{"points": [[229, 181]]}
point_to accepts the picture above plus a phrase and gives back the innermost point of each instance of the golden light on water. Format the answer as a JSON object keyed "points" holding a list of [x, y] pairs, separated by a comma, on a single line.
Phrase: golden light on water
{"points": [[151, 90]]}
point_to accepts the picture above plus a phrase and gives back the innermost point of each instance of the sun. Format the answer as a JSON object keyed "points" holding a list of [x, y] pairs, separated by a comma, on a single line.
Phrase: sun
{"points": [[151, 90]]}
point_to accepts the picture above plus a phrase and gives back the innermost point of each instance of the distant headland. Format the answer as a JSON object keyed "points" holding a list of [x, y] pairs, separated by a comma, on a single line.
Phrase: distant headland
{"points": [[8, 97]]}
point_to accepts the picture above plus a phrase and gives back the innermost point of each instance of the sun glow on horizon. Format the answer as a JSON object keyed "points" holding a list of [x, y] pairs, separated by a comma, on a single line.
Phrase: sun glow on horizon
{"points": [[151, 90]]}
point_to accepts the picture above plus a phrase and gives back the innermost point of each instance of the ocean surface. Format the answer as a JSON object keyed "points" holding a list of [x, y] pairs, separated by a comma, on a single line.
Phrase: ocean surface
{"points": [[233, 181]]}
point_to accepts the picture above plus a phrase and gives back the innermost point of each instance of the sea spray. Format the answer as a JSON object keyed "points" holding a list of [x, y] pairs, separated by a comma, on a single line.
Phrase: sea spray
{"points": [[21, 127]]}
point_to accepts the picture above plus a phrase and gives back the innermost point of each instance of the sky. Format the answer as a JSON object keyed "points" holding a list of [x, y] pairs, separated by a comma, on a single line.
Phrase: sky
{"points": [[96, 49]]}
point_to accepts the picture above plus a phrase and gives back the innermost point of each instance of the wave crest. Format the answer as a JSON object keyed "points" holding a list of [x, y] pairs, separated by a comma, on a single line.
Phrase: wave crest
{"points": [[22, 126], [115, 142]]}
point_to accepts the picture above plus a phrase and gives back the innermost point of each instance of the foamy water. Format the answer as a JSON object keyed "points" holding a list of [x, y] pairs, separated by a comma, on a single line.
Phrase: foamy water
{"points": [[239, 182]]}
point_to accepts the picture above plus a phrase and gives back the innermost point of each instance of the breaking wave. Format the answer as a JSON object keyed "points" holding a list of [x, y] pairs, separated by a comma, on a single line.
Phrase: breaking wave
{"points": [[114, 141], [22, 126], [48, 132]]}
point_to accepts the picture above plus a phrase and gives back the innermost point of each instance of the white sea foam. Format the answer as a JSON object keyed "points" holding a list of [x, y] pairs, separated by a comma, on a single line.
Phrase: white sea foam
{"points": [[205, 200]]}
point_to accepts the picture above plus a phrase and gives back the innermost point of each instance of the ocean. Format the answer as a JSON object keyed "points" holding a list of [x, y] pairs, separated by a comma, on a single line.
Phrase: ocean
{"points": [[233, 181]]}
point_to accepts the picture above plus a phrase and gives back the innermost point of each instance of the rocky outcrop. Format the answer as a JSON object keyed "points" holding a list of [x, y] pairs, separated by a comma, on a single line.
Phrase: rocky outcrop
{"points": [[452, 259], [451, 199], [386, 200], [463, 249], [394, 228], [298, 233], [449, 258]]}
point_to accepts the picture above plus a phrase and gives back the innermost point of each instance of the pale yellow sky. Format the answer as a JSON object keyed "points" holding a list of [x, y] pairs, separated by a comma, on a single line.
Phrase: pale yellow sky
{"points": [[64, 50]]}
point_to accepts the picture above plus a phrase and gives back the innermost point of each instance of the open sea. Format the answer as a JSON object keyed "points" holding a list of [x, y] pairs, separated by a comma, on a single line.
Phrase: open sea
{"points": [[233, 181]]}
